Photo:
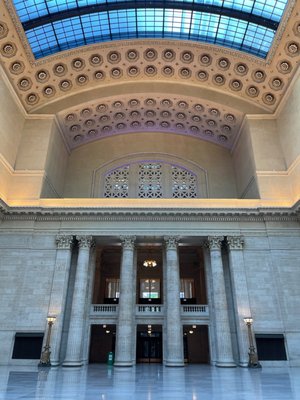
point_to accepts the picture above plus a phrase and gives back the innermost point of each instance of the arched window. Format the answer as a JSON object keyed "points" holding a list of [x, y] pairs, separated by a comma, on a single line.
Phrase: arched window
{"points": [[151, 179]]}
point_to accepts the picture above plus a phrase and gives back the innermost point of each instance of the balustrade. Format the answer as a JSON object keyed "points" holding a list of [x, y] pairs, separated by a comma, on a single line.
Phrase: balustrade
{"points": [[196, 310]]}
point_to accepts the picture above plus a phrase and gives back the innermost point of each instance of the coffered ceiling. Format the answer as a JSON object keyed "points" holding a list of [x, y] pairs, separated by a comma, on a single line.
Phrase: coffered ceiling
{"points": [[165, 85]]}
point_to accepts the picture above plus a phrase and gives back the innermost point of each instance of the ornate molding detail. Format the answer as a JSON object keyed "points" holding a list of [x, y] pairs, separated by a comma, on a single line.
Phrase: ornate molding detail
{"points": [[235, 242], [128, 242], [85, 242], [184, 115], [200, 64], [64, 241], [171, 242], [214, 242]]}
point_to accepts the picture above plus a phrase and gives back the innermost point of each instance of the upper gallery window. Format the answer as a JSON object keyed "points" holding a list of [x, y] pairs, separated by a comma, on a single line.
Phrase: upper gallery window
{"points": [[150, 180], [56, 25]]}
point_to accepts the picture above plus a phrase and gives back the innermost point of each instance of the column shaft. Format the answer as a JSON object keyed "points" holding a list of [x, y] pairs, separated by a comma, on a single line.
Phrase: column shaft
{"points": [[220, 308], [125, 328], [174, 340], [240, 294], [59, 292], [77, 321]]}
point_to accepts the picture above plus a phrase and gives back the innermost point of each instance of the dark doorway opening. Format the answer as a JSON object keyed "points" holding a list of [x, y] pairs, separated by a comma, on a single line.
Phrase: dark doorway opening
{"points": [[28, 345], [149, 344], [270, 347], [103, 340], [196, 344]]}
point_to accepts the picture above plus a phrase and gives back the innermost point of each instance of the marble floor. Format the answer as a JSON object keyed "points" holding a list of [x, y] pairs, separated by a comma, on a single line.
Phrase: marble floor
{"points": [[149, 382]]}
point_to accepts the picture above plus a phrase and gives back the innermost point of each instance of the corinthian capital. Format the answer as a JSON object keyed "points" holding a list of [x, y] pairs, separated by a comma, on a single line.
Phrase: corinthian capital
{"points": [[214, 242], [64, 241], [171, 242], [235, 242], [85, 241], [128, 242]]}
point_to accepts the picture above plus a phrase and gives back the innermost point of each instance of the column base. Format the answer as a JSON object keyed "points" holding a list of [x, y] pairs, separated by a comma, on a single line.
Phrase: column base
{"points": [[55, 363], [72, 364], [243, 364], [174, 364], [225, 364], [123, 364]]}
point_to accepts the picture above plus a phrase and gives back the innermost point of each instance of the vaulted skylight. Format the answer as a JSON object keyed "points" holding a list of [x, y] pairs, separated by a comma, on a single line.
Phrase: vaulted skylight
{"points": [[57, 25]]}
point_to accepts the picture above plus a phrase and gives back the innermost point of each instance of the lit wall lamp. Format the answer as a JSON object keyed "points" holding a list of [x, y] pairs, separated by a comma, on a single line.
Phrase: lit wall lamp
{"points": [[253, 359], [45, 356]]}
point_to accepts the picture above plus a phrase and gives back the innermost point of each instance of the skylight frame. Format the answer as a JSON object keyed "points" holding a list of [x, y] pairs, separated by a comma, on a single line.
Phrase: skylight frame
{"points": [[43, 22]]}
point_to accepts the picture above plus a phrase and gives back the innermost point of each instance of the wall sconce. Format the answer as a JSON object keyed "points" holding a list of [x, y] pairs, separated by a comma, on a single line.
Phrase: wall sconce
{"points": [[253, 359], [45, 356]]}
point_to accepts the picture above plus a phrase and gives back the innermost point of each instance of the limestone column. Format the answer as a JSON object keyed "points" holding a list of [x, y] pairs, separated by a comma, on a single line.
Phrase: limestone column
{"points": [[125, 328], [224, 357], [59, 292], [240, 294], [174, 339], [77, 321]]}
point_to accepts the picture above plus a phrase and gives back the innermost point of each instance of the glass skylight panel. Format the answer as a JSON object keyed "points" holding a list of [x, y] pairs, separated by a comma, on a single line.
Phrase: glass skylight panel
{"points": [[247, 25]]}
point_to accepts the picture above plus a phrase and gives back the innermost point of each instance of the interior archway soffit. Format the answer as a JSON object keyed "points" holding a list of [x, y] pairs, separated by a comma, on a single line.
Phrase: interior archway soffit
{"points": [[183, 115], [43, 83]]}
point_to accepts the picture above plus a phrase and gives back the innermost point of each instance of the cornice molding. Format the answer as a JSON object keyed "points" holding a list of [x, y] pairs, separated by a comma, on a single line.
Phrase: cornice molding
{"points": [[155, 214]]}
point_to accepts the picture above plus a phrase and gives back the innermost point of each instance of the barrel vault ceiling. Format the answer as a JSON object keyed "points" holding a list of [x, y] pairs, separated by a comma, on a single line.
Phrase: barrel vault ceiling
{"points": [[143, 85]]}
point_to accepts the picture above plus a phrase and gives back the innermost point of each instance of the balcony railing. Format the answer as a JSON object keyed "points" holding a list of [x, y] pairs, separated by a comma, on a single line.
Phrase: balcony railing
{"points": [[154, 309], [111, 310], [104, 310], [195, 310]]}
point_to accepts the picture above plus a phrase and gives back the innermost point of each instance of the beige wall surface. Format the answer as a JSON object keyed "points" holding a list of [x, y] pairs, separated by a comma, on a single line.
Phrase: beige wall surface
{"points": [[34, 145], [244, 165], [56, 163], [215, 159], [266, 146], [289, 125], [11, 125]]}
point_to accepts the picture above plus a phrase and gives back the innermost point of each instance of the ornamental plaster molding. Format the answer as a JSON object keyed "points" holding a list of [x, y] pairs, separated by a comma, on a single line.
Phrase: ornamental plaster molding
{"points": [[171, 242], [235, 242], [214, 242], [262, 83], [85, 242], [128, 242], [64, 242], [154, 214]]}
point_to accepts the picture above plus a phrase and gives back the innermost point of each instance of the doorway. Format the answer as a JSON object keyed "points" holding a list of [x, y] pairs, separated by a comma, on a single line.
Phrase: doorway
{"points": [[103, 339], [149, 344], [196, 344]]}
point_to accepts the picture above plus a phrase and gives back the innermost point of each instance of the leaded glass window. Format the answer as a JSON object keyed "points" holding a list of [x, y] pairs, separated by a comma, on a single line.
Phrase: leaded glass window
{"points": [[116, 183], [152, 180], [183, 184], [150, 185]]}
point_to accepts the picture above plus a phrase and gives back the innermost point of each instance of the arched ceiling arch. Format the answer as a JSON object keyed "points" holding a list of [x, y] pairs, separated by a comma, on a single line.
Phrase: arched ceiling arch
{"points": [[227, 80]]}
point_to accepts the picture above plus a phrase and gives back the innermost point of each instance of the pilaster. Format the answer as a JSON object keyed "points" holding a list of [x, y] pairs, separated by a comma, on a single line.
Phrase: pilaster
{"points": [[59, 288], [240, 294]]}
